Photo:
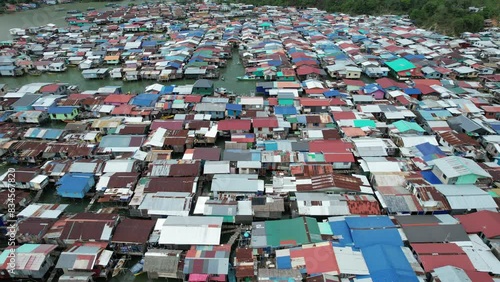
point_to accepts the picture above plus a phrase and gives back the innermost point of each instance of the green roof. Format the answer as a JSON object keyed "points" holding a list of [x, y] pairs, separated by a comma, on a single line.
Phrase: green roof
{"points": [[364, 123], [400, 64], [285, 101], [404, 126], [297, 231]]}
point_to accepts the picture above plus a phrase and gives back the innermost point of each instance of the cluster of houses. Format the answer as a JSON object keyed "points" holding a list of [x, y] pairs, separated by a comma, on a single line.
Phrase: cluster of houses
{"points": [[372, 152]]}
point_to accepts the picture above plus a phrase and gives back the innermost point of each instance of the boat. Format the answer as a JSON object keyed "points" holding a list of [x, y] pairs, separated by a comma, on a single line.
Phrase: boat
{"points": [[60, 9], [35, 72], [137, 268], [73, 12], [247, 77], [220, 90], [90, 9], [119, 266]]}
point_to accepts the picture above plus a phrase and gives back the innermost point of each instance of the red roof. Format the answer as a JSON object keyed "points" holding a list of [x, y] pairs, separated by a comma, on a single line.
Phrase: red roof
{"points": [[491, 109], [317, 259], [272, 101], [359, 83], [339, 157], [310, 102], [329, 146], [305, 70], [428, 82], [487, 222], [192, 98], [123, 110], [268, 122], [50, 88], [168, 124], [437, 248], [234, 124], [436, 255], [118, 98], [343, 115]]}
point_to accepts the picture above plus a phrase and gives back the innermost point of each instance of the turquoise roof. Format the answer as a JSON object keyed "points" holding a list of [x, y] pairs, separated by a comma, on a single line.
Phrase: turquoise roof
{"points": [[404, 126]]}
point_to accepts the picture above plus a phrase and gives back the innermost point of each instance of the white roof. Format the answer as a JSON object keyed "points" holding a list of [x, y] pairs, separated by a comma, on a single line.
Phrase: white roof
{"points": [[119, 166], [247, 183], [412, 141], [467, 197], [191, 230], [456, 166], [248, 164], [330, 204], [32, 87], [214, 167], [158, 138], [350, 261], [43, 211]]}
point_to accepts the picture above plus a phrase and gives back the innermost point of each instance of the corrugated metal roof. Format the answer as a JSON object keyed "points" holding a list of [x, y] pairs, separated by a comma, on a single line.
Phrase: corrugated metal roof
{"points": [[192, 230]]}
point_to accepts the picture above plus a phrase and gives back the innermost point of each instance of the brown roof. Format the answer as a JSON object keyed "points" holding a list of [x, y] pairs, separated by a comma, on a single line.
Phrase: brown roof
{"points": [[330, 181], [123, 180], [244, 255], [363, 205], [134, 129], [22, 176], [133, 230], [20, 196], [87, 226], [170, 184], [311, 170], [207, 154], [34, 227], [453, 138]]}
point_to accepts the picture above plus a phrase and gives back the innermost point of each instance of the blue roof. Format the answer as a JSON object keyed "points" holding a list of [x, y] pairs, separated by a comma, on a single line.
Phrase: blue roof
{"points": [[234, 107], [428, 149], [431, 115], [331, 93], [388, 263], [75, 185], [369, 222], [167, 89], [148, 43], [369, 237], [145, 100], [53, 133], [495, 126], [412, 91], [271, 146], [60, 110], [7, 68], [285, 110], [340, 229], [371, 88], [430, 177], [284, 262]]}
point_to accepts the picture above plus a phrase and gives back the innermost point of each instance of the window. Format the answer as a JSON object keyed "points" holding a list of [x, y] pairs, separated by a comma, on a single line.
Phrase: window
{"points": [[54, 115], [444, 176]]}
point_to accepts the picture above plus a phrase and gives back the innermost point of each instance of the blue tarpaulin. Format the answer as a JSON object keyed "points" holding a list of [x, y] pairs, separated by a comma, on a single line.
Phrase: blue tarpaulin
{"points": [[430, 177], [285, 110], [388, 263]]}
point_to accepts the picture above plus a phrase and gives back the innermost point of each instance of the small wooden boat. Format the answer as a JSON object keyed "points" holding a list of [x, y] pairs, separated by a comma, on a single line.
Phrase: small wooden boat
{"points": [[247, 77], [119, 266], [35, 72], [137, 268]]}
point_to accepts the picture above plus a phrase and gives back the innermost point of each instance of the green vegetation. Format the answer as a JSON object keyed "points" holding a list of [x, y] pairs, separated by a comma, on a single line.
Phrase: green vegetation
{"points": [[446, 16]]}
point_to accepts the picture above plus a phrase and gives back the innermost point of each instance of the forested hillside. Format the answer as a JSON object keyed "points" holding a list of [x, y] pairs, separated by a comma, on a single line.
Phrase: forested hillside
{"points": [[447, 16]]}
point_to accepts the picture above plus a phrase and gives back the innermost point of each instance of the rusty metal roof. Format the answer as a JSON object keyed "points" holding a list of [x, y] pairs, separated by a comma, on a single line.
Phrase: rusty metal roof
{"points": [[133, 231]]}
